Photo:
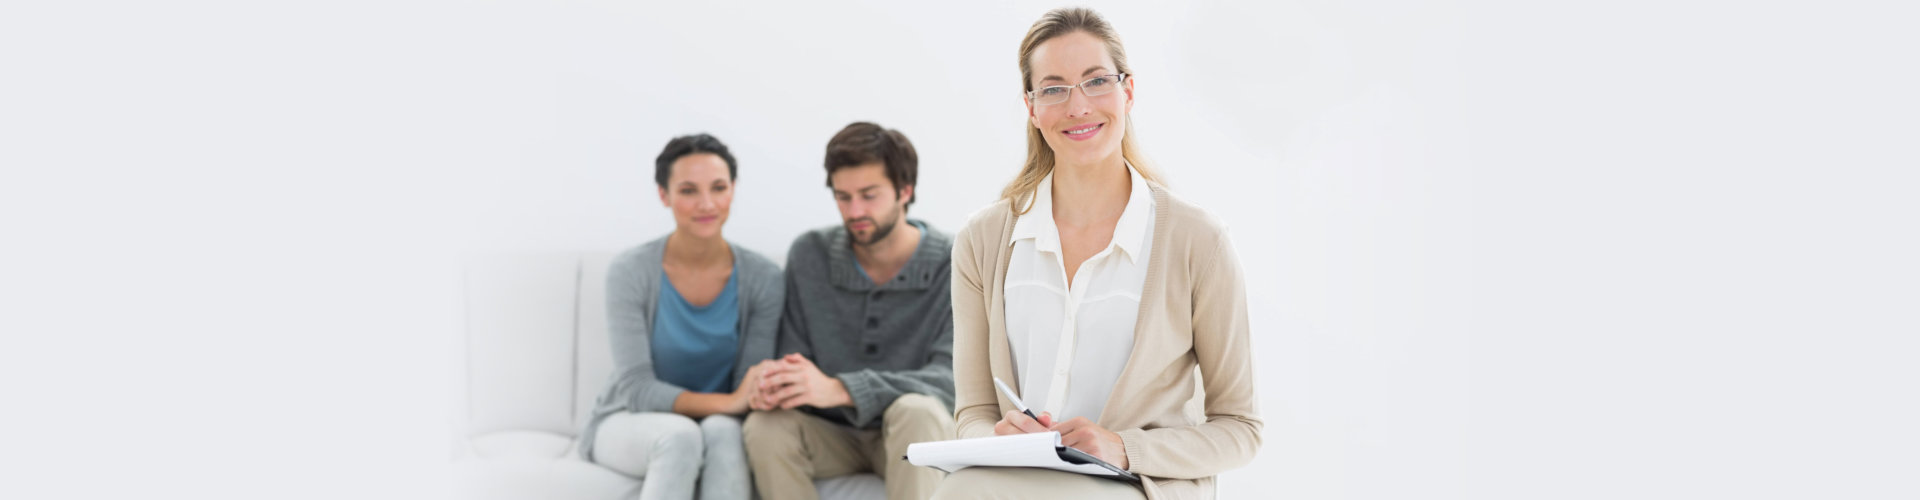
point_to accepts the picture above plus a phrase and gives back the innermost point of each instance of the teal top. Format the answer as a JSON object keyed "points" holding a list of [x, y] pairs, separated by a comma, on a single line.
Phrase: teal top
{"points": [[694, 346]]}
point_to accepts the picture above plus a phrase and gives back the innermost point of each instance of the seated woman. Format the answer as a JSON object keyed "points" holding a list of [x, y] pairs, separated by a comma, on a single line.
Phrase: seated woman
{"points": [[1095, 294], [690, 316]]}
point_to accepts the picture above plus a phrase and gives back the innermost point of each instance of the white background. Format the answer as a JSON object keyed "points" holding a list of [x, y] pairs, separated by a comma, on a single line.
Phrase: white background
{"points": [[1494, 249]]}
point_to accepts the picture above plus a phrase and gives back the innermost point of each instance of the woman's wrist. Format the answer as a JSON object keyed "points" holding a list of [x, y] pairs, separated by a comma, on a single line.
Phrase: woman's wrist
{"points": [[740, 402]]}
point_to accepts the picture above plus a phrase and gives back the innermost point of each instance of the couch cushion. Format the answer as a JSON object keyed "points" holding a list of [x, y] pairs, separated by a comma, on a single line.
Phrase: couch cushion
{"points": [[520, 352], [539, 479], [853, 487], [521, 444], [593, 361]]}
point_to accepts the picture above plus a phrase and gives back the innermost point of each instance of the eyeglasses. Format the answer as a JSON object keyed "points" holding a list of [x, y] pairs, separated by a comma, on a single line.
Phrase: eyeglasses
{"points": [[1095, 87]]}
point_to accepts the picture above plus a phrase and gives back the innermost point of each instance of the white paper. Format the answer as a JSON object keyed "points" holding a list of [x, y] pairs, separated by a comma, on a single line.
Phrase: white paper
{"points": [[1019, 450]]}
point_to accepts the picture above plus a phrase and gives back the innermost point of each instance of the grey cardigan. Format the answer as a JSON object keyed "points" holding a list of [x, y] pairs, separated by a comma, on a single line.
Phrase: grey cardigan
{"points": [[633, 289]]}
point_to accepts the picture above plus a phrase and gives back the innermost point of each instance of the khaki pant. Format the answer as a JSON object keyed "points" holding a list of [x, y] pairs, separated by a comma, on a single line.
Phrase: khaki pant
{"points": [[789, 449], [982, 483]]}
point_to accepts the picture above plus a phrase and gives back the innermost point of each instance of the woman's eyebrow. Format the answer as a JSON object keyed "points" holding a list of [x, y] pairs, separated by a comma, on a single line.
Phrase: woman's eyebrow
{"points": [[1089, 71]]}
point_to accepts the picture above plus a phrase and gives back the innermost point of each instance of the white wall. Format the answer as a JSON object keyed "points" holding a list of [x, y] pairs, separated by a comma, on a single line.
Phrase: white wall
{"points": [[1495, 249], [1300, 125]]}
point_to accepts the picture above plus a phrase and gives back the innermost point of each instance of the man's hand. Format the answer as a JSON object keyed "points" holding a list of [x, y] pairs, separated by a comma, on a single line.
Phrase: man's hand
{"points": [[793, 381], [1089, 437]]}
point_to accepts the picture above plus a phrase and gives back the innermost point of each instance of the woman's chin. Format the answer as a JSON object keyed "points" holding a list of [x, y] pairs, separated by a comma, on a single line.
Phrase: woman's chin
{"points": [[1087, 157], [711, 230]]}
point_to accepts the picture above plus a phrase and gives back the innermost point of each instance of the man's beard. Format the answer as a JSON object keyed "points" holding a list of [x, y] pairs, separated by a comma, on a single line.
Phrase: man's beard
{"points": [[880, 231]]}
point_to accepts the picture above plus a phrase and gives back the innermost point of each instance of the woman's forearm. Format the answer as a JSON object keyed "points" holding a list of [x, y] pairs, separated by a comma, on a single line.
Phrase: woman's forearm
{"points": [[701, 404]]}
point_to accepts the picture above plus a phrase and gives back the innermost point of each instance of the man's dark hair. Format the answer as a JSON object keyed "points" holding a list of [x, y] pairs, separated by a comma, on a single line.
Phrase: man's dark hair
{"points": [[863, 142], [689, 145]]}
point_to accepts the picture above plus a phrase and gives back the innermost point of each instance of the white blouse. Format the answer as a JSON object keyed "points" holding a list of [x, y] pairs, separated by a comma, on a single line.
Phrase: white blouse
{"points": [[1070, 343]]}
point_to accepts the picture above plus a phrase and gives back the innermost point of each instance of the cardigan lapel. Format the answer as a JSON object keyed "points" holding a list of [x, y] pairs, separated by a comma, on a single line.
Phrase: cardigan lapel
{"points": [[999, 350], [1151, 288]]}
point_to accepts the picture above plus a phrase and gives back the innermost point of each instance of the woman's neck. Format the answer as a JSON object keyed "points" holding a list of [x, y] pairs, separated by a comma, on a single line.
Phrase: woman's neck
{"points": [[684, 249], [1090, 193]]}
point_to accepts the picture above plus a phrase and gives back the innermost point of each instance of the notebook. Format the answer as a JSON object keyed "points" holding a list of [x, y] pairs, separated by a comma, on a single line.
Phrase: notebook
{"points": [[1040, 449]]}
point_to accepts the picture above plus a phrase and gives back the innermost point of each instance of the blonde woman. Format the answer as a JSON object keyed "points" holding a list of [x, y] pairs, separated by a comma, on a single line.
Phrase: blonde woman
{"points": [[1095, 294]]}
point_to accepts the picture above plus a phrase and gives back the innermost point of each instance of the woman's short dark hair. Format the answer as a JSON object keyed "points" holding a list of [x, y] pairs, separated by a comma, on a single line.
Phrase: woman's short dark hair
{"points": [[863, 142], [690, 145]]}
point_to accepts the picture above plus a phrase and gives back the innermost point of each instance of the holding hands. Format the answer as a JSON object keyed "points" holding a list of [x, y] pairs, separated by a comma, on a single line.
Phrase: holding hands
{"points": [[793, 381], [742, 396]]}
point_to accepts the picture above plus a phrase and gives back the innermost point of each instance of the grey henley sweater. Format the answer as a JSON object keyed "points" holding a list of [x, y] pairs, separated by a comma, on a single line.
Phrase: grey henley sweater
{"points": [[880, 341]]}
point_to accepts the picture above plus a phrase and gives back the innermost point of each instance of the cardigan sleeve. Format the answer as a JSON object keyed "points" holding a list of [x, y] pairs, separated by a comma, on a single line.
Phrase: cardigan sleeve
{"points": [[631, 293], [976, 408], [761, 325], [1231, 433]]}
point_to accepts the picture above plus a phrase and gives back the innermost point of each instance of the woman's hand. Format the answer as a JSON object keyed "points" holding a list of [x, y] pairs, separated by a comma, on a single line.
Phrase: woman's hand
{"points": [[1084, 435], [758, 398], [749, 386], [1015, 422]]}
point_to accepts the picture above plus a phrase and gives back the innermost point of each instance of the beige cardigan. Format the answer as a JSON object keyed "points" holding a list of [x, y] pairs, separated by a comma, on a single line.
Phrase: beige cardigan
{"points": [[1193, 313]]}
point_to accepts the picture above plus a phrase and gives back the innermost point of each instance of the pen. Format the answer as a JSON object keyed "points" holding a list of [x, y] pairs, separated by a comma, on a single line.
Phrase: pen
{"points": [[1016, 399]]}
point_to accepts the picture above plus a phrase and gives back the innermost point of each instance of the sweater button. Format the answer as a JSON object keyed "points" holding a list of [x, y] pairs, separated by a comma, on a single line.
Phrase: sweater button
{"points": [[873, 322], [873, 349]]}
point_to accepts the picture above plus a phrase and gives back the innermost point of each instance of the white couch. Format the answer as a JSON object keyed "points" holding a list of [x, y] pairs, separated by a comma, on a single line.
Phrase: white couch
{"points": [[534, 356]]}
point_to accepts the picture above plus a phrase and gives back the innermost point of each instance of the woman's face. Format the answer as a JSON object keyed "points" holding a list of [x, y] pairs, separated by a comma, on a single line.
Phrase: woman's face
{"points": [[699, 191], [1083, 130]]}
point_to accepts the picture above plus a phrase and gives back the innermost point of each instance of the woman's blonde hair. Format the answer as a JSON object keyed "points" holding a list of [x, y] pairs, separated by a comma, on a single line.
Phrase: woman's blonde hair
{"points": [[1056, 23]]}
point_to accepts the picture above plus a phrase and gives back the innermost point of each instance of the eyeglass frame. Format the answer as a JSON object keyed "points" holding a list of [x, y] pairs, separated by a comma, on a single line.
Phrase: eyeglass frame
{"points": [[1033, 96]]}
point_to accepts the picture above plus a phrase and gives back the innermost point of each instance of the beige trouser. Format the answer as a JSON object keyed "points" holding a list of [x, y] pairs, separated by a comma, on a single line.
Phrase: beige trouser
{"points": [[979, 483], [789, 449]]}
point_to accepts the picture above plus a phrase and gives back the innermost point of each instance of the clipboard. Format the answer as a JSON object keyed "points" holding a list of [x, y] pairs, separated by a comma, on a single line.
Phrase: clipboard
{"points": [[1075, 456], [1039, 450]]}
